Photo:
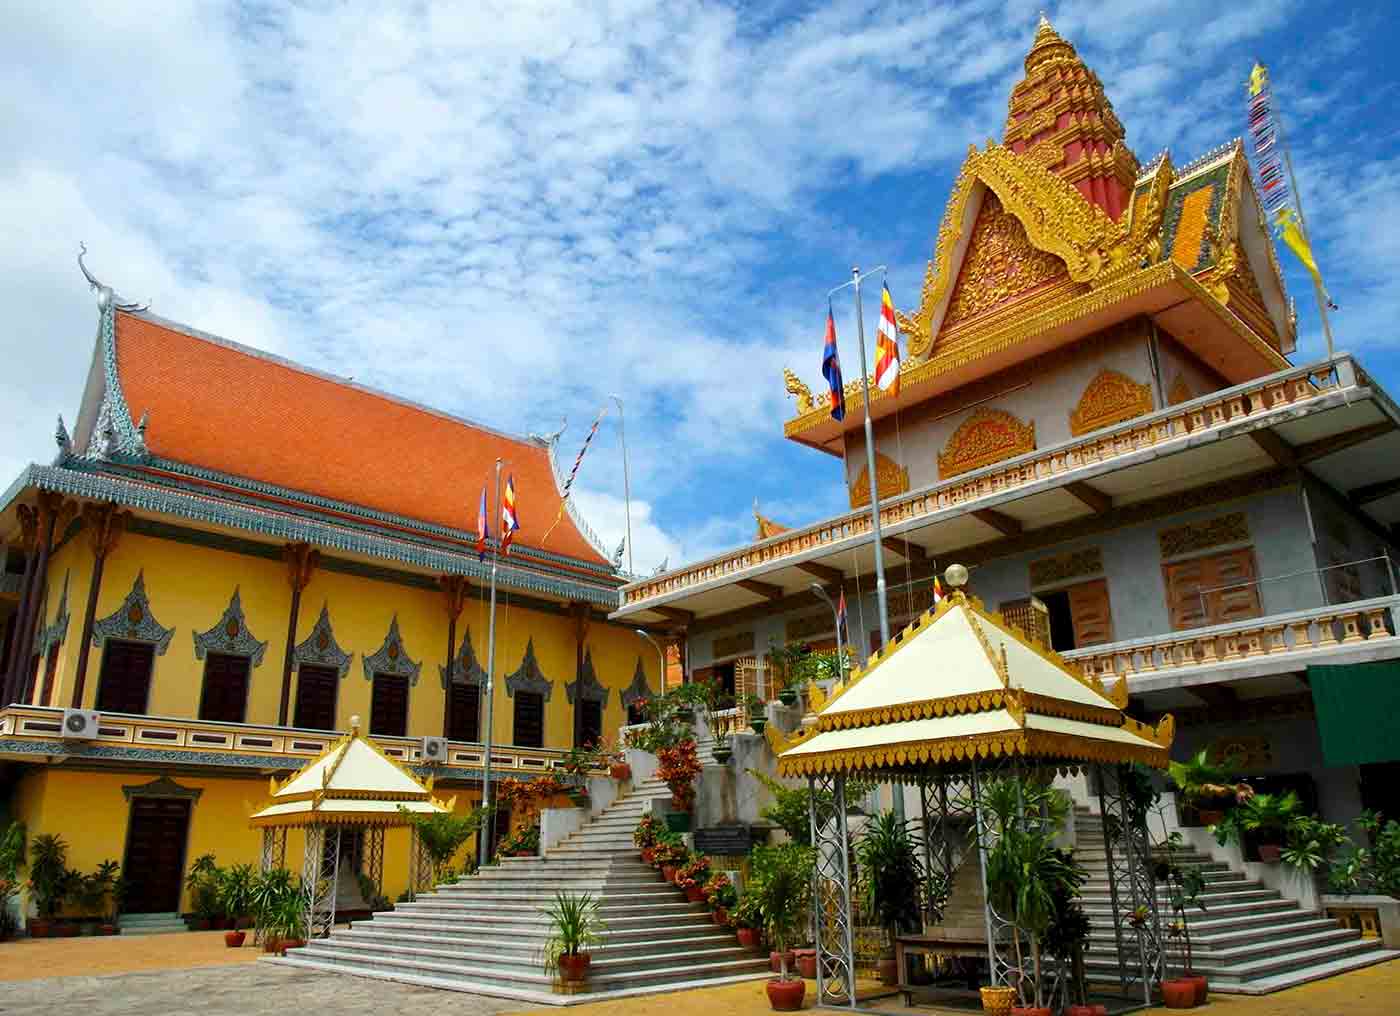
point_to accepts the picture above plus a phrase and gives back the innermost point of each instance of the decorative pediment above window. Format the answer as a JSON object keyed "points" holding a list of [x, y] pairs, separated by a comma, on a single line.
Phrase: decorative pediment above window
{"points": [[53, 635], [587, 687], [1109, 398], [392, 658], [133, 621], [987, 436], [890, 477], [466, 669], [320, 648], [230, 635], [163, 786], [529, 677], [638, 690]]}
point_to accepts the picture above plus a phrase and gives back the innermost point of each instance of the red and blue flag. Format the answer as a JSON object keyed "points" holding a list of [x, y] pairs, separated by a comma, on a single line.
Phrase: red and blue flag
{"points": [[483, 531], [831, 369]]}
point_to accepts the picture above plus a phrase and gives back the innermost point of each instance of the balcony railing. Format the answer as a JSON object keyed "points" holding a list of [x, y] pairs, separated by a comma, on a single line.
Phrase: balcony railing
{"points": [[1284, 392], [289, 746], [1278, 635]]}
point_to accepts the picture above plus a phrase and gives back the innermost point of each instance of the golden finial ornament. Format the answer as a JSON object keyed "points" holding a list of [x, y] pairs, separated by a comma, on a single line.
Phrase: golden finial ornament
{"points": [[355, 725], [955, 575]]}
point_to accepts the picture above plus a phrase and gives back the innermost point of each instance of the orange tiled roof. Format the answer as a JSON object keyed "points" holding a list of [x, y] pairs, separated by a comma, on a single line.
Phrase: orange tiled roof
{"points": [[235, 411]]}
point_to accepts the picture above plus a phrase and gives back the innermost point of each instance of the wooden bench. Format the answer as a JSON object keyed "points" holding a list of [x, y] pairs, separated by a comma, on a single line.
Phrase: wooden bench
{"points": [[939, 941]]}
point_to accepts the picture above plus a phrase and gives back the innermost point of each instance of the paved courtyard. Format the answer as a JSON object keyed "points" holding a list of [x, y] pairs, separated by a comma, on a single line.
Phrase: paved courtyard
{"points": [[178, 974]]}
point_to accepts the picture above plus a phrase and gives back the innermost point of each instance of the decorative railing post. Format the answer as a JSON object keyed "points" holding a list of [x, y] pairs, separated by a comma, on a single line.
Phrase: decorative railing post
{"points": [[1131, 882], [831, 894]]}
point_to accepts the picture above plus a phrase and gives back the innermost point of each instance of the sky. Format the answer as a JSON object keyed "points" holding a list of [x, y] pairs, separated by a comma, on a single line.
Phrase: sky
{"points": [[512, 211]]}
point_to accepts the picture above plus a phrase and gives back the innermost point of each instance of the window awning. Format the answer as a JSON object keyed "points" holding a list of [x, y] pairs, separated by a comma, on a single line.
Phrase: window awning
{"points": [[1358, 712]]}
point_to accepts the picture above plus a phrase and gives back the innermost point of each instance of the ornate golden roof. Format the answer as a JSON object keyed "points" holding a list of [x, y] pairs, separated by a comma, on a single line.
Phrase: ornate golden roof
{"points": [[961, 683]]}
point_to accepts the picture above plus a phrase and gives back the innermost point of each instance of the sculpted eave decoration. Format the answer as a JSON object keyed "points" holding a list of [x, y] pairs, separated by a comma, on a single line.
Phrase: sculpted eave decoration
{"points": [[987, 436], [638, 690], [466, 668], [891, 479], [587, 687], [321, 649], [1111, 397], [230, 635], [528, 676], [391, 657], [133, 622], [53, 635]]}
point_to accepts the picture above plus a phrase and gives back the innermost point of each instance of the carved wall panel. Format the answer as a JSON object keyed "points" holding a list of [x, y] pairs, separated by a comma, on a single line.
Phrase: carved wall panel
{"points": [[799, 629], [733, 645], [133, 621], [466, 668], [587, 687], [892, 480], [1000, 263], [320, 648], [1216, 532], [1051, 570], [528, 676], [391, 657], [638, 690], [987, 436], [1109, 398], [230, 635]]}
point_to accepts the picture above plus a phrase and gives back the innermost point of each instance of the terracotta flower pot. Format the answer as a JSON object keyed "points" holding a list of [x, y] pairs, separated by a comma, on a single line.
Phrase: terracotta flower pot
{"points": [[1270, 853], [695, 894], [291, 943], [889, 970], [40, 927], [573, 969], [668, 872], [1179, 994], [750, 938], [1079, 1010], [720, 916], [620, 771], [775, 961], [807, 965], [1209, 816], [68, 930], [234, 939], [648, 855], [1202, 986], [106, 929], [786, 996], [272, 944], [997, 1001], [199, 924], [1031, 1010]]}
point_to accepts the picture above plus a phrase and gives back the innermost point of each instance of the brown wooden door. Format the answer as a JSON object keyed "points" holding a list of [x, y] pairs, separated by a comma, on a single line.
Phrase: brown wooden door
{"points": [[529, 720], [590, 722], [464, 713], [125, 682], [1194, 596], [225, 695], [388, 706], [316, 687], [155, 854], [1088, 606]]}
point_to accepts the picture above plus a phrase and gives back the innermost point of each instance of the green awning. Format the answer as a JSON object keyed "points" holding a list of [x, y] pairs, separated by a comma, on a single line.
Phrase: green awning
{"points": [[1358, 712]]}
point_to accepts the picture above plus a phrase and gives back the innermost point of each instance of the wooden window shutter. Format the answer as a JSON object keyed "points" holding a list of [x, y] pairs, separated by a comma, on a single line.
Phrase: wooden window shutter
{"points": [[1088, 605], [1234, 568], [1190, 608]]}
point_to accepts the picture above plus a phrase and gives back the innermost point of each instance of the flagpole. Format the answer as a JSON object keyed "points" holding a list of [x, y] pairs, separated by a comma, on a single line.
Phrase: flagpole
{"points": [[896, 791], [626, 483], [484, 847]]}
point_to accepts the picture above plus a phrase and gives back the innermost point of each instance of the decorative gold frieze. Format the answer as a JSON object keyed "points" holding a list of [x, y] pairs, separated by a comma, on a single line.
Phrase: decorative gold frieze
{"points": [[732, 645], [891, 479], [1242, 752], [1062, 567], [1216, 532], [987, 436], [1109, 398], [1000, 263]]}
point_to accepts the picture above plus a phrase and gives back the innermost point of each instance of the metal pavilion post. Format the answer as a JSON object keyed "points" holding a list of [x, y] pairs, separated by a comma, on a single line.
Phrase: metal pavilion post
{"points": [[484, 837], [981, 836], [835, 938]]}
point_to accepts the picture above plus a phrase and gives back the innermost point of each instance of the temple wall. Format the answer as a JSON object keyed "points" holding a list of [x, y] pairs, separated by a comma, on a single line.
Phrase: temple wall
{"points": [[1183, 374], [1043, 391], [1340, 539], [190, 586]]}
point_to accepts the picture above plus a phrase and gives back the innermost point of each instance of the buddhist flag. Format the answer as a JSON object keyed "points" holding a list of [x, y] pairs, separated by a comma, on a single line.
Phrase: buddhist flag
{"points": [[831, 369], [483, 530], [841, 616], [937, 591], [1290, 231], [509, 521], [887, 346]]}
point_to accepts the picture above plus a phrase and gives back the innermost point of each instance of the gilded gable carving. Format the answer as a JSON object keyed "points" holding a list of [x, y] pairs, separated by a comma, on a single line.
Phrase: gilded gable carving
{"points": [[890, 477], [1109, 398], [1000, 263], [987, 436], [1216, 532]]}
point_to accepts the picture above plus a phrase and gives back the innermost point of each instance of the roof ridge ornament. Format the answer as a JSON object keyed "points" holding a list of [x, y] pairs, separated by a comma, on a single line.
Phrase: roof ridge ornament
{"points": [[105, 296], [551, 439], [64, 442]]}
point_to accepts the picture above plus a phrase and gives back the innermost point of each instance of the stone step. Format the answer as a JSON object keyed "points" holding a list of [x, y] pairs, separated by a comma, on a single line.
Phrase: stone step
{"points": [[1211, 898], [506, 922], [1104, 913], [657, 892], [612, 944], [551, 885], [1211, 878], [1313, 972], [1263, 928], [467, 930], [608, 907]]}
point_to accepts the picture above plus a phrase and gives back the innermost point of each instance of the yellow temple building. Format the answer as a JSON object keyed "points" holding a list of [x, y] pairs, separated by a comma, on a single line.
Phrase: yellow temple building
{"points": [[230, 556]]}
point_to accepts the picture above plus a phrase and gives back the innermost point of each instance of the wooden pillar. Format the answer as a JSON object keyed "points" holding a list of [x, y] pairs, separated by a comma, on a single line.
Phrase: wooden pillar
{"points": [[29, 528], [580, 613], [104, 524], [51, 505], [454, 595], [301, 560]]}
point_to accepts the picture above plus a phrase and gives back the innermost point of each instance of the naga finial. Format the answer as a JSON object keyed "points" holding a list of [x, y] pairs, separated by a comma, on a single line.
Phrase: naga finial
{"points": [[550, 439], [64, 442], [104, 292], [795, 386], [617, 554]]}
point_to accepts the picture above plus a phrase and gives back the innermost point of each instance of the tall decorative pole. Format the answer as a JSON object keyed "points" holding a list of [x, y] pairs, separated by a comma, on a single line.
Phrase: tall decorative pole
{"points": [[29, 540], [105, 525], [454, 592], [626, 483], [301, 564], [818, 589], [51, 505], [484, 844]]}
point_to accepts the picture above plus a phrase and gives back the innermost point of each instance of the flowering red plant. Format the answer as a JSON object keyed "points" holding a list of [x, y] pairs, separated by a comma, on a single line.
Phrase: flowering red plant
{"points": [[645, 834], [678, 766]]}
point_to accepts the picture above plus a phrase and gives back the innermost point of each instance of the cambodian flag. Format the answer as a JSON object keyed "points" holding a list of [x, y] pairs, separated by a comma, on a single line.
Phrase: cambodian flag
{"points": [[841, 615], [509, 521], [483, 530], [831, 369]]}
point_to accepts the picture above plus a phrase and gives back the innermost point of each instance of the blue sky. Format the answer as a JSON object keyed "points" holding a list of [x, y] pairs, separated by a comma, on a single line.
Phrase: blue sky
{"points": [[515, 211]]}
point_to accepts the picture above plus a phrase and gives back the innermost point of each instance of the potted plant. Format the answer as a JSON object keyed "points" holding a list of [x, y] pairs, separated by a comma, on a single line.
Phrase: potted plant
{"points": [[1184, 883], [575, 923], [1067, 936], [1265, 817], [202, 881], [753, 707], [677, 767], [644, 836], [49, 880], [719, 893], [265, 898], [235, 892], [689, 697], [747, 918], [442, 835], [524, 842], [289, 922], [692, 876], [892, 881], [1312, 842], [116, 897], [1205, 787], [782, 884], [669, 853]]}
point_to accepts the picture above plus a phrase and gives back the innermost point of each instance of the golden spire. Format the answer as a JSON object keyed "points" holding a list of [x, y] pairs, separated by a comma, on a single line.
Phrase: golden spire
{"points": [[1048, 43]]}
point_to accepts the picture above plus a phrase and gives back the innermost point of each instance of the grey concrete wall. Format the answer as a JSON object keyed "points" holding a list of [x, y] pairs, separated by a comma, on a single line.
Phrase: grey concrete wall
{"points": [[1176, 362], [728, 794], [1341, 538]]}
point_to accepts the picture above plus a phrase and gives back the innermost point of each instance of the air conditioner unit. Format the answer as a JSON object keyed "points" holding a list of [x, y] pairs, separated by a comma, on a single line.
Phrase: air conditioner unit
{"points": [[434, 749], [80, 724]]}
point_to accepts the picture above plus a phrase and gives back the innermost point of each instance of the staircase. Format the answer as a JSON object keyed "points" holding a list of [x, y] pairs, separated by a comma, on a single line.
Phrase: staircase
{"points": [[151, 924], [1249, 940], [484, 933]]}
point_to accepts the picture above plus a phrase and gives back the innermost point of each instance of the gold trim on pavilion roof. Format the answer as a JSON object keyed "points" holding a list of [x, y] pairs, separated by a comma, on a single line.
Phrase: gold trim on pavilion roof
{"points": [[960, 683], [350, 782]]}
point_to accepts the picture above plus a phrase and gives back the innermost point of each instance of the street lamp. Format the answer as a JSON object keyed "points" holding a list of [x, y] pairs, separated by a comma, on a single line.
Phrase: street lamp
{"points": [[660, 656], [816, 587]]}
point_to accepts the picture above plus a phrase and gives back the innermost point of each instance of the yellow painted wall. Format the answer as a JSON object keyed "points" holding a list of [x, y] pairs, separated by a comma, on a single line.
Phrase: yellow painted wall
{"points": [[91, 813], [190, 586]]}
